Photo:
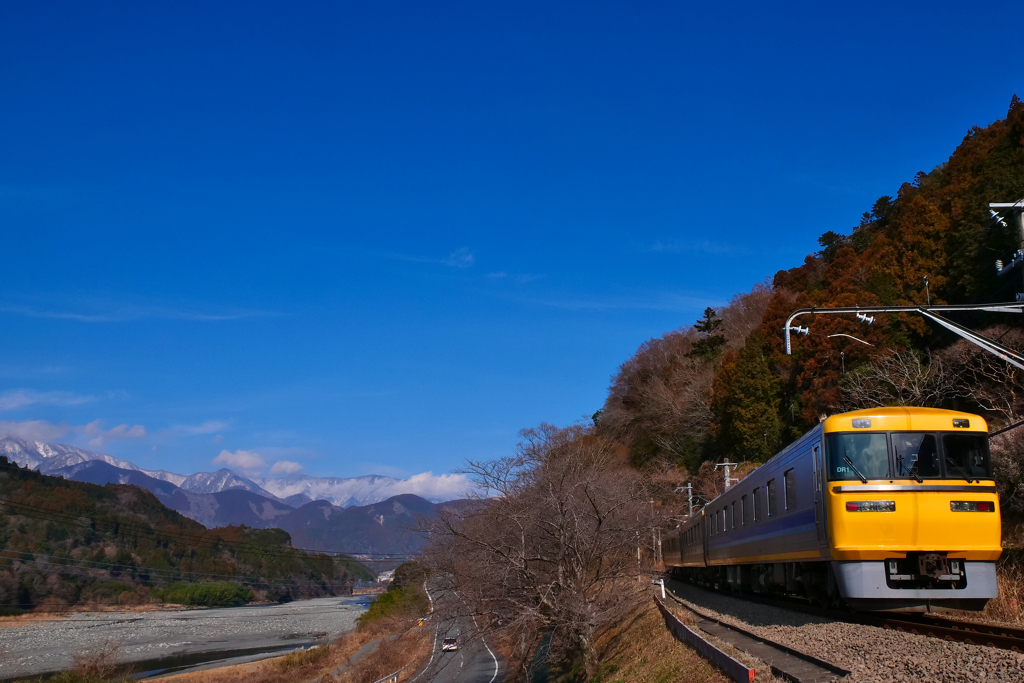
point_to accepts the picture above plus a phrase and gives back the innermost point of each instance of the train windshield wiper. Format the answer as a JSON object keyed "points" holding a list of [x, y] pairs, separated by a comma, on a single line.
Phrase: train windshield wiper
{"points": [[855, 470], [910, 470], [959, 469]]}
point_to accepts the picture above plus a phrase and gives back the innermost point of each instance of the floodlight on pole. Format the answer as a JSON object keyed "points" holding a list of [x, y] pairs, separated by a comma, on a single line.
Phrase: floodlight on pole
{"points": [[930, 312], [728, 480]]}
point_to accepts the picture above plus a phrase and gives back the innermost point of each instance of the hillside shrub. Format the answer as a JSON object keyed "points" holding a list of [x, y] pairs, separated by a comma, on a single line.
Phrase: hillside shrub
{"points": [[303, 657], [206, 594], [410, 602]]}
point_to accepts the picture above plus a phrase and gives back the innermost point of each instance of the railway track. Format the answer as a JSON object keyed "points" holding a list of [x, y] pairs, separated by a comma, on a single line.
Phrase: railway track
{"points": [[954, 630], [785, 662], [974, 633]]}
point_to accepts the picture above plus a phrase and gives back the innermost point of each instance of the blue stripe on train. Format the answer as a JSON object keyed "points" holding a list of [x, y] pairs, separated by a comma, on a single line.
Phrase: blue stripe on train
{"points": [[780, 526]]}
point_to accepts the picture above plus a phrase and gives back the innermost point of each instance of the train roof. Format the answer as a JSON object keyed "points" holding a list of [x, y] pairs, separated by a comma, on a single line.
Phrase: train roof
{"points": [[894, 418], [900, 418]]}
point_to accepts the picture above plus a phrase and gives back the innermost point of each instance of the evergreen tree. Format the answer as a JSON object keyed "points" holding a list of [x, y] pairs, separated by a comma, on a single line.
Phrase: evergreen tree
{"points": [[746, 402], [709, 346]]}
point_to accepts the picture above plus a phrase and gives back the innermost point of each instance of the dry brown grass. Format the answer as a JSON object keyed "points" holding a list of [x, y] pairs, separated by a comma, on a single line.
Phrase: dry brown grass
{"points": [[412, 648], [97, 664], [640, 648], [1009, 606], [29, 618], [303, 657]]}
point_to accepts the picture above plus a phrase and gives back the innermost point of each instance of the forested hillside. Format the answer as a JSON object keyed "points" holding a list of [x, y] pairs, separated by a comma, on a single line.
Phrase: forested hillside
{"points": [[67, 543], [724, 387]]}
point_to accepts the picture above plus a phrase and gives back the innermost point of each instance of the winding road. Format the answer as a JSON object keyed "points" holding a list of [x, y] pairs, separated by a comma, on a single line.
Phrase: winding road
{"points": [[473, 662]]}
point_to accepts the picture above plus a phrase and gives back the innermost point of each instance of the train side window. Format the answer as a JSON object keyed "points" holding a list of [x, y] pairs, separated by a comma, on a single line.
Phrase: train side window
{"points": [[757, 504], [743, 510], [789, 480], [732, 512], [773, 508], [721, 516]]}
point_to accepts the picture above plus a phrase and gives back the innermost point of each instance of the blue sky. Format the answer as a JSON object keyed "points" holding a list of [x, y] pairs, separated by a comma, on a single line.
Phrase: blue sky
{"points": [[384, 237]]}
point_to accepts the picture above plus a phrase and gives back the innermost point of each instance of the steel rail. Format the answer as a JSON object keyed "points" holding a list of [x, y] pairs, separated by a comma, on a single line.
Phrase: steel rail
{"points": [[972, 633], [825, 670], [962, 635]]}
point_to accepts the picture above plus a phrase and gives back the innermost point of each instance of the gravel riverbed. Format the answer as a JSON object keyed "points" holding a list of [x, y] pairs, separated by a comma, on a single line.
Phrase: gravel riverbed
{"points": [[871, 654], [40, 647]]}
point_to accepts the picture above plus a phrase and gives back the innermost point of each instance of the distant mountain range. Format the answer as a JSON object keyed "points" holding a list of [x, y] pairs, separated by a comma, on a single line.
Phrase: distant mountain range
{"points": [[293, 491], [372, 517]]}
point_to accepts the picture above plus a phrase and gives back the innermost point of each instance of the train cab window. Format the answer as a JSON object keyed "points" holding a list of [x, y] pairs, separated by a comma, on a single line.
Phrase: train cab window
{"points": [[967, 456], [857, 456], [743, 510], [757, 504], [772, 508], [789, 481], [917, 455]]}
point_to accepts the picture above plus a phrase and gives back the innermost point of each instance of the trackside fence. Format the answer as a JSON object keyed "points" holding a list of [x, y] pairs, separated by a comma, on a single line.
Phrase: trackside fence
{"points": [[733, 668]]}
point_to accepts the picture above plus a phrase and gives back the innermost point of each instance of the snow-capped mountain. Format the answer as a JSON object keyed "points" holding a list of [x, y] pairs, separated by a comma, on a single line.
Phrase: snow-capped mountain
{"points": [[47, 457], [293, 491], [221, 480], [368, 489]]}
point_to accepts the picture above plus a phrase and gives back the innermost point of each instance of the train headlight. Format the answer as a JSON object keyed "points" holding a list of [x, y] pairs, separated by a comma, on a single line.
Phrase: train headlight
{"points": [[971, 506], [871, 506]]}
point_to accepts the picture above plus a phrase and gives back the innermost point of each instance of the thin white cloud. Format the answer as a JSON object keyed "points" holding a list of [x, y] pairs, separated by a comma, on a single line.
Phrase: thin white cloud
{"points": [[527, 277], [246, 461], [496, 276], [132, 313], [207, 427], [34, 430], [695, 246], [121, 431], [460, 258], [652, 302], [19, 398], [284, 468], [41, 430]]}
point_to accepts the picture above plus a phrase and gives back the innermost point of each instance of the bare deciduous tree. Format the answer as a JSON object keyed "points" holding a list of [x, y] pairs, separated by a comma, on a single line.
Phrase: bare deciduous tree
{"points": [[555, 549], [1008, 467], [898, 377], [986, 379]]}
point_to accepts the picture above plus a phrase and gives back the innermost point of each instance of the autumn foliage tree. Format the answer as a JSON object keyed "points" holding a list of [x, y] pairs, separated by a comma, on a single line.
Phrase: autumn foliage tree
{"points": [[727, 390]]}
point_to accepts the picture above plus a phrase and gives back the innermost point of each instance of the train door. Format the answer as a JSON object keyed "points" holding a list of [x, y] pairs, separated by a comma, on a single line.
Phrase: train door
{"points": [[819, 496]]}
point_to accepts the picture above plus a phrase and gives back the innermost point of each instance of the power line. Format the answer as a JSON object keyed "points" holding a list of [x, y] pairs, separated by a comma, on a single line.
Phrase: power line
{"points": [[158, 573], [199, 539]]}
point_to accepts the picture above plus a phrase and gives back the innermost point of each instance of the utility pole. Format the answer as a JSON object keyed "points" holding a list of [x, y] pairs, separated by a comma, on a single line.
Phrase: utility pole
{"points": [[654, 535], [1017, 211], [689, 496], [728, 480]]}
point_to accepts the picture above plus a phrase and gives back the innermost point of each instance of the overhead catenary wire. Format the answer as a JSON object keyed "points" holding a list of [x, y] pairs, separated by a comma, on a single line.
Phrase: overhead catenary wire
{"points": [[205, 539], [153, 572]]}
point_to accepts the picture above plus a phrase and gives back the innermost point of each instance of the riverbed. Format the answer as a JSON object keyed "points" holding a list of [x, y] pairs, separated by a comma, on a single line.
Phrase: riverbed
{"points": [[151, 637]]}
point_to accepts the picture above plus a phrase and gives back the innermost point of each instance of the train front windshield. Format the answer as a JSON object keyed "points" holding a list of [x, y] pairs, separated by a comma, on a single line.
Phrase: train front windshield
{"points": [[916, 455], [858, 456]]}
